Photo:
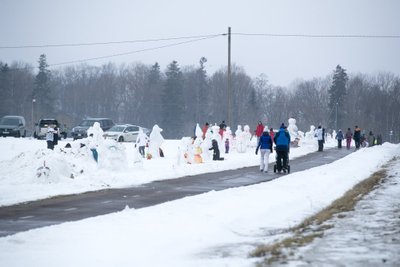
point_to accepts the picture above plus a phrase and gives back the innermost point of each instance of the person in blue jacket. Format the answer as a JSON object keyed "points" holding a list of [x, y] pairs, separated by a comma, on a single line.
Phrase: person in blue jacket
{"points": [[265, 146], [282, 142]]}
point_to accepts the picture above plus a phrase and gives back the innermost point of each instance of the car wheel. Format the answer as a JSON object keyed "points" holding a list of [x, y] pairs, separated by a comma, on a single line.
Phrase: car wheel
{"points": [[120, 139]]}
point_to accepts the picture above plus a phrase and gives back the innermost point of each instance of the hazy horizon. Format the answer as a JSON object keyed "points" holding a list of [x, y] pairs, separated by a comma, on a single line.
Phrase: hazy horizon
{"points": [[283, 59]]}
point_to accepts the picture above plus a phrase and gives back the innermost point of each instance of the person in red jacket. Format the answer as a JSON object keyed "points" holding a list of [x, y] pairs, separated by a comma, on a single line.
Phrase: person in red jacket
{"points": [[205, 128], [259, 130], [272, 133]]}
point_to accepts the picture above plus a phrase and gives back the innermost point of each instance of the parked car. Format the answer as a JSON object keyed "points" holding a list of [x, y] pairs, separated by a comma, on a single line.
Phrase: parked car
{"points": [[41, 127], [80, 131], [13, 126], [124, 132]]}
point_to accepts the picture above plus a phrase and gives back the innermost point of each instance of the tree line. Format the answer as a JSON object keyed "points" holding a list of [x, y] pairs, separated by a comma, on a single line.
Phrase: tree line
{"points": [[180, 96]]}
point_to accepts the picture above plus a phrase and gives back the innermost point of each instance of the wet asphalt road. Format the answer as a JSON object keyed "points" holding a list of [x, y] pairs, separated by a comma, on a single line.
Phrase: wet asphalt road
{"points": [[22, 217]]}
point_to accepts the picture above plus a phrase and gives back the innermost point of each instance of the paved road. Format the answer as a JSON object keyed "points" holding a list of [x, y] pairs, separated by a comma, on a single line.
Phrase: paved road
{"points": [[17, 218]]}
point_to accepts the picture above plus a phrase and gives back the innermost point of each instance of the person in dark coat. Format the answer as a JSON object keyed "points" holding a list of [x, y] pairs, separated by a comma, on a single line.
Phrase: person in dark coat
{"points": [[205, 129], [371, 139], [319, 133], [357, 137], [265, 146], [282, 141], [216, 154], [379, 139], [56, 136], [339, 138], [222, 128]]}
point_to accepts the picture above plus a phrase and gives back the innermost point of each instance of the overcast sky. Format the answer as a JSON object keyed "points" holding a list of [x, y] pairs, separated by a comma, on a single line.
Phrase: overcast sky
{"points": [[282, 59]]}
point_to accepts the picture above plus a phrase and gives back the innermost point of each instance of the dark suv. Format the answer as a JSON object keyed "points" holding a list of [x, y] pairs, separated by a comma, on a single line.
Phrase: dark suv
{"points": [[12, 126], [80, 131]]}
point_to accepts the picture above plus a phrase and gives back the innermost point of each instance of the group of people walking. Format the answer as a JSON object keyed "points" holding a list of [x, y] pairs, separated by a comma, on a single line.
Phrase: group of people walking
{"points": [[282, 142], [266, 140], [360, 140]]}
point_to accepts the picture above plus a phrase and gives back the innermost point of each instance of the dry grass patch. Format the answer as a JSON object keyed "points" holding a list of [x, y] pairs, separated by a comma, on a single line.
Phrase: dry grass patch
{"points": [[314, 226]]}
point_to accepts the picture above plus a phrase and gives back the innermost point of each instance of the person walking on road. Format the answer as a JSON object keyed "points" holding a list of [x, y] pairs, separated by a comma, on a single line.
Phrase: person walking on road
{"points": [[339, 138], [282, 141], [349, 136], [265, 146], [357, 136], [259, 131], [319, 133]]}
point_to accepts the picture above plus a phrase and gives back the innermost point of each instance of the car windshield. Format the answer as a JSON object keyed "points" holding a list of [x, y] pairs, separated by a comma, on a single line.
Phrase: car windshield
{"points": [[9, 121], [48, 122], [87, 123], [117, 128]]}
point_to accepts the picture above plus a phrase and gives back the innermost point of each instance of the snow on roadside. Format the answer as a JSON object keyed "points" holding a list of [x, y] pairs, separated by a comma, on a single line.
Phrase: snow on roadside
{"points": [[211, 229], [73, 170]]}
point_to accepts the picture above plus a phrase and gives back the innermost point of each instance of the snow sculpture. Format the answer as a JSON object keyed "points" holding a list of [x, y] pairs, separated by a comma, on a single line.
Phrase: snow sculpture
{"points": [[156, 140], [293, 132], [185, 149], [239, 142], [292, 128], [228, 136], [206, 144], [311, 134], [247, 135], [216, 136], [239, 130], [197, 145], [242, 139], [96, 134]]}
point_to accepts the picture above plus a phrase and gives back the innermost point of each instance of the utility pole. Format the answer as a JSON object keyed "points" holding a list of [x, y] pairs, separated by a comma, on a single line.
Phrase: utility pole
{"points": [[229, 80], [336, 116]]}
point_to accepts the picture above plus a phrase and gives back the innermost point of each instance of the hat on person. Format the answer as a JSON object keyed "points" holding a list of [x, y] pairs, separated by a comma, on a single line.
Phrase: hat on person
{"points": [[283, 125]]}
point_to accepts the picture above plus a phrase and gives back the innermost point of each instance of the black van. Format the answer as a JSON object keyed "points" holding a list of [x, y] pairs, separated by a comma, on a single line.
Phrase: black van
{"points": [[13, 126], [80, 131]]}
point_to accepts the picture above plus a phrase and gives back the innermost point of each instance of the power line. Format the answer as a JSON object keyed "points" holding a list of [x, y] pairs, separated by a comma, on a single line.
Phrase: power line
{"points": [[109, 43], [320, 35], [203, 36], [196, 38], [130, 52], [135, 51]]}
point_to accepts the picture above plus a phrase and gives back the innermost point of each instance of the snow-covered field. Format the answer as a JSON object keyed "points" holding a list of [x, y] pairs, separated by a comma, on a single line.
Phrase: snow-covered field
{"points": [[211, 229], [74, 170]]}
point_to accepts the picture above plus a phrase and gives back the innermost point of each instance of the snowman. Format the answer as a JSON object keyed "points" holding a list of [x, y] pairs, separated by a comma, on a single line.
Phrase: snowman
{"points": [[310, 135], [197, 145], [156, 140], [292, 128], [293, 132], [239, 142]]}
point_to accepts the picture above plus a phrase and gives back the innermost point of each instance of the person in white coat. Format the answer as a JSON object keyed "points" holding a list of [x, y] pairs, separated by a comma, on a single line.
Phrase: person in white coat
{"points": [[319, 133], [141, 142], [50, 137]]}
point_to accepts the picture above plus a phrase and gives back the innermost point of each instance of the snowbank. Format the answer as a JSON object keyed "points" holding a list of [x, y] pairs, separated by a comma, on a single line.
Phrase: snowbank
{"points": [[29, 171], [212, 229]]}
